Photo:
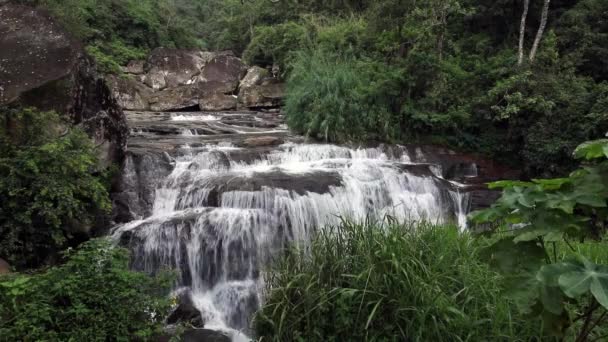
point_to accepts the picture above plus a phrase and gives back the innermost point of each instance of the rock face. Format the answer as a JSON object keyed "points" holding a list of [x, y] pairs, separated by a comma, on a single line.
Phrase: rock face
{"points": [[269, 95], [130, 94], [42, 66], [218, 102], [175, 80]]}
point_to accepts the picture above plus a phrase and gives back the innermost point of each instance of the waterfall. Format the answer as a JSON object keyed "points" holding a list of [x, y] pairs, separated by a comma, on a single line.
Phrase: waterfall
{"points": [[218, 218]]}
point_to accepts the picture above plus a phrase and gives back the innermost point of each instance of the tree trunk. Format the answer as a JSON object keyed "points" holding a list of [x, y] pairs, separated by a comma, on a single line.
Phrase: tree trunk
{"points": [[522, 32], [541, 29]]}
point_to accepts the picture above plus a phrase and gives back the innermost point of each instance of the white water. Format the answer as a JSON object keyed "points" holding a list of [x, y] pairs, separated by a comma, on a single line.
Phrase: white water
{"points": [[219, 220]]}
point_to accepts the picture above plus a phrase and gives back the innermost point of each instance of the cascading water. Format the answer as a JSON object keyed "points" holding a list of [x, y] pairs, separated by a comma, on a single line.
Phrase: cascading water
{"points": [[218, 219]]}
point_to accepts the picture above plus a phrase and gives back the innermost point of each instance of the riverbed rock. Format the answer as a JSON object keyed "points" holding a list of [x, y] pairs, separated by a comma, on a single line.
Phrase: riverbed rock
{"points": [[268, 95], [186, 96], [142, 171], [197, 335], [261, 141], [129, 93], [172, 67], [217, 102], [255, 75], [42, 66], [186, 312], [5, 268], [225, 71]]}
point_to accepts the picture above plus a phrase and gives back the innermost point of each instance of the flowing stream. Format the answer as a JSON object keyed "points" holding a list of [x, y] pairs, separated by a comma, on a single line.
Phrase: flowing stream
{"points": [[223, 212]]}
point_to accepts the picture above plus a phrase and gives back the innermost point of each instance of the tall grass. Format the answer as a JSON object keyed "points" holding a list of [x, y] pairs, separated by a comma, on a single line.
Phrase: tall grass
{"points": [[389, 282]]}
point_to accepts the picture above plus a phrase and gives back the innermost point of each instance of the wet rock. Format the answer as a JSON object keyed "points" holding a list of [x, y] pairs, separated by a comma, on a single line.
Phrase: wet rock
{"points": [[5, 268], [204, 335], [197, 335], [262, 96], [217, 102], [186, 312], [261, 141], [129, 93], [141, 173], [134, 67], [43, 66]]}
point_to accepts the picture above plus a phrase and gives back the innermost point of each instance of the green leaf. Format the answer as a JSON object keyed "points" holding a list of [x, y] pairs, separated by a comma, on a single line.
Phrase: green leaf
{"points": [[508, 184], [592, 150], [579, 281], [551, 184], [599, 289]]}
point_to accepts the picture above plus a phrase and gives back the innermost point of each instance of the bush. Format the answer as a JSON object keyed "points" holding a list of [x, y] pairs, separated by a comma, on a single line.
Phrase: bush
{"points": [[540, 223], [92, 297], [339, 98], [392, 282], [50, 188], [275, 44]]}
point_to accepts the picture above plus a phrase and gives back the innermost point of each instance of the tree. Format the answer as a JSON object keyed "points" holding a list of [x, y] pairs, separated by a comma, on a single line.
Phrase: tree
{"points": [[522, 32], [541, 29]]}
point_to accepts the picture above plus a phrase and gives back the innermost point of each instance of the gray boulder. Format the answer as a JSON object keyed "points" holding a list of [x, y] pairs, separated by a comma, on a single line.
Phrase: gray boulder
{"points": [[129, 93], [217, 102], [255, 75], [268, 95]]}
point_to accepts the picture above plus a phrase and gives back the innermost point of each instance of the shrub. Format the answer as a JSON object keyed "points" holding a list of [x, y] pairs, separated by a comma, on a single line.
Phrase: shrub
{"points": [[275, 44], [50, 188], [540, 220], [92, 297], [340, 98], [391, 282]]}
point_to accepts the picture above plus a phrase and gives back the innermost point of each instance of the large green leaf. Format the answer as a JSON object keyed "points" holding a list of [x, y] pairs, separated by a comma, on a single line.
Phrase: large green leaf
{"points": [[592, 150], [586, 276]]}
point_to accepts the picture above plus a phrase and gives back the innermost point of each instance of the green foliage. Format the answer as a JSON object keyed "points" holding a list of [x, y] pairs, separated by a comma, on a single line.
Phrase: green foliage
{"points": [[339, 98], [275, 44], [49, 187], [389, 282], [116, 32], [92, 297], [541, 216]]}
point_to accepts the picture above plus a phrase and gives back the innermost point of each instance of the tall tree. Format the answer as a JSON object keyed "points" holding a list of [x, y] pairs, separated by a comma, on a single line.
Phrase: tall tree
{"points": [[522, 32], [541, 29]]}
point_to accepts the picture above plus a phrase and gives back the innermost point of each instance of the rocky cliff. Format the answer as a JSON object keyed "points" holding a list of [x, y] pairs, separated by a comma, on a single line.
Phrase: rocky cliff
{"points": [[177, 80], [42, 66]]}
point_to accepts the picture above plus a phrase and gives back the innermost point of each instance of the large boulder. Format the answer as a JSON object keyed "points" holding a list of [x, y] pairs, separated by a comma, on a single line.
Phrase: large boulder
{"points": [[172, 99], [255, 75], [129, 93], [225, 71], [170, 68], [43, 66], [217, 102], [266, 95]]}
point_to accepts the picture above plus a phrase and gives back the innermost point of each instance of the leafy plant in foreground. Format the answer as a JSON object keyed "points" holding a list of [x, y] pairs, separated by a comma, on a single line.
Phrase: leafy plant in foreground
{"points": [[50, 188], [541, 217], [92, 297]]}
